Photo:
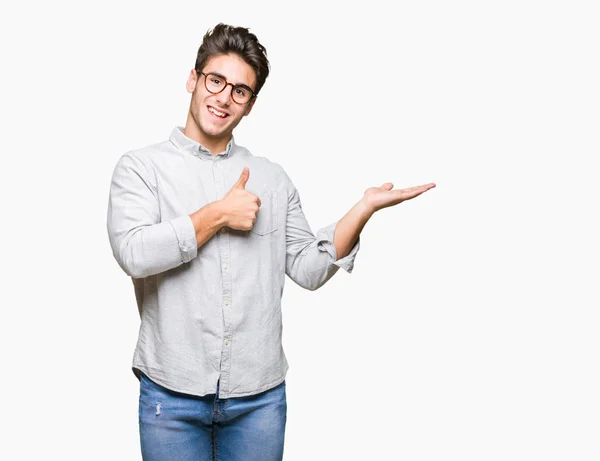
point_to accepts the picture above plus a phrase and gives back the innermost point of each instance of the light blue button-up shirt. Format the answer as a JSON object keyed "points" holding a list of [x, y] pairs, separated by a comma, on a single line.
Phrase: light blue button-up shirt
{"points": [[214, 312]]}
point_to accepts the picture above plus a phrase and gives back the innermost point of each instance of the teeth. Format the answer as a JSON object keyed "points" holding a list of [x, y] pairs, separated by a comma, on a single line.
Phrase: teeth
{"points": [[216, 112]]}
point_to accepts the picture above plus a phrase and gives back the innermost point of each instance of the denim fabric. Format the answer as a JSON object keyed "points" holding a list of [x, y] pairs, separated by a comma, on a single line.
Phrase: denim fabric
{"points": [[182, 427]]}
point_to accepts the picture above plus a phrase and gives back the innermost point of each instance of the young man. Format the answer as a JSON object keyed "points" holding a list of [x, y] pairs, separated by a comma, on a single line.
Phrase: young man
{"points": [[207, 232]]}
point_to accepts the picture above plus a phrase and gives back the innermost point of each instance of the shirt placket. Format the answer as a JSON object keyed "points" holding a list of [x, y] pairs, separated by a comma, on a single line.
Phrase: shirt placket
{"points": [[223, 244]]}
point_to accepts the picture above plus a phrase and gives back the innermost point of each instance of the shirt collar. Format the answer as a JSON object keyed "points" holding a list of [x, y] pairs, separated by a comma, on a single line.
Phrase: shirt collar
{"points": [[186, 144]]}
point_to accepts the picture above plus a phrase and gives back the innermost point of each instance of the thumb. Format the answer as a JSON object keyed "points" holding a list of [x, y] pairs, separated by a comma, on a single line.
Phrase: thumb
{"points": [[387, 186], [241, 183]]}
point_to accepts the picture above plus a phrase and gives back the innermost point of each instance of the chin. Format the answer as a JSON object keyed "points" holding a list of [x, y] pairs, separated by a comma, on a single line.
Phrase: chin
{"points": [[215, 133], [211, 130]]}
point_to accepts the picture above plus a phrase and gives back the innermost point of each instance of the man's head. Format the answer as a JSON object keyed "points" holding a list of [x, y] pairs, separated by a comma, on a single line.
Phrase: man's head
{"points": [[231, 68], [224, 39]]}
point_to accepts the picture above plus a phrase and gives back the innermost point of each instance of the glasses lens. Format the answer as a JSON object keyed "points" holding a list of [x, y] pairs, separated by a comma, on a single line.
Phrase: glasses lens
{"points": [[241, 95], [214, 83]]}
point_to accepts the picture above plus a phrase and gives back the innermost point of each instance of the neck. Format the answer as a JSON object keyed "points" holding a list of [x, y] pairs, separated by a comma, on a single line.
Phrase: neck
{"points": [[215, 144]]}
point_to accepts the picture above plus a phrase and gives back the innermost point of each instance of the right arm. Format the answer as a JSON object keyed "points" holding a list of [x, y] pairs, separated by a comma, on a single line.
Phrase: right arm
{"points": [[207, 221], [141, 244]]}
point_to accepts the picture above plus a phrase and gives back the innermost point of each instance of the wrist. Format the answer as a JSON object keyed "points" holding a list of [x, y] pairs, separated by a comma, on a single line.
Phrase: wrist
{"points": [[365, 209], [220, 213], [209, 218]]}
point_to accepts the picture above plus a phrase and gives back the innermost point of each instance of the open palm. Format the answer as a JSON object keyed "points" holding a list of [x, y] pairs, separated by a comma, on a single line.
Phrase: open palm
{"points": [[384, 196]]}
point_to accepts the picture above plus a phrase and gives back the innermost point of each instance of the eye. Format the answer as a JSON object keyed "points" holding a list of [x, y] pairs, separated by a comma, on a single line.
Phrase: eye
{"points": [[241, 91], [215, 80]]}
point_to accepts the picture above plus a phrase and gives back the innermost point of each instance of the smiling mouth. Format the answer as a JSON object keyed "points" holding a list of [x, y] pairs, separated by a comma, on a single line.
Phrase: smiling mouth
{"points": [[217, 113]]}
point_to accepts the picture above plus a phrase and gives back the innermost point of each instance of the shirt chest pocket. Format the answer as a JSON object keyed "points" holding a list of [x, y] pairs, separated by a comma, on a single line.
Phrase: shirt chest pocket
{"points": [[266, 217]]}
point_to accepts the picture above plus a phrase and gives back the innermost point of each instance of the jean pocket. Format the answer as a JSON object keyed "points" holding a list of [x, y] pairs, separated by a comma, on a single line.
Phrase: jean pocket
{"points": [[266, 218]]}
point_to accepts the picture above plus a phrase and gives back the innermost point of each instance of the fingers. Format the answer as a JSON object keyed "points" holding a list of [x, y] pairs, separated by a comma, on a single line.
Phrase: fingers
{"points": [[410, 192], [423, 188], [241, 183], [419, 189]]}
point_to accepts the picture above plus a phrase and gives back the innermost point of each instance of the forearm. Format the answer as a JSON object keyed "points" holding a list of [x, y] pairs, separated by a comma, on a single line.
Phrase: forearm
{"points": [[207, 221], [349, 228], [147, 249], [311, 261]]}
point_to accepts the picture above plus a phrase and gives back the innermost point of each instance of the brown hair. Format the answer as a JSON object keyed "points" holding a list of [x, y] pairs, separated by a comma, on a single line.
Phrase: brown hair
{"points": [[225, 39]]}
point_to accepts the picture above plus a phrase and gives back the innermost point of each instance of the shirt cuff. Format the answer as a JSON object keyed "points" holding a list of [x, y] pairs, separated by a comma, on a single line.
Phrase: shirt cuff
{"points": [[186, 237], [325, 243]]}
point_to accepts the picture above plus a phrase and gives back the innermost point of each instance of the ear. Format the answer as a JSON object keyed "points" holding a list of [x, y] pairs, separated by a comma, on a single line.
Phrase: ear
{"points": [[250, 105], [192, 80]]}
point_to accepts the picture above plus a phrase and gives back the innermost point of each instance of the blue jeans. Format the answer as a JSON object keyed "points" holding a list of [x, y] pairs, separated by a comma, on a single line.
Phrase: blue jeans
{"points": [[182, 427]]}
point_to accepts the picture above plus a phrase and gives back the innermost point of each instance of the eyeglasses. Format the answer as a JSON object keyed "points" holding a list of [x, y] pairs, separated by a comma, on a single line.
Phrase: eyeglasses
{"points": [[215, 83]]}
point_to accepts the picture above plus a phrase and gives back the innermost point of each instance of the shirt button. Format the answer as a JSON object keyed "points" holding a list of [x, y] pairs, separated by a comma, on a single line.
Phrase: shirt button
{"points": [[226, 303], [223, 230], [225, 267], [226, 341]]}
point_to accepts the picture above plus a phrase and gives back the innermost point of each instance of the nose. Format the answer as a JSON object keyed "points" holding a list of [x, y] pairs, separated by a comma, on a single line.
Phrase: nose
{"points": [[224, 97]]}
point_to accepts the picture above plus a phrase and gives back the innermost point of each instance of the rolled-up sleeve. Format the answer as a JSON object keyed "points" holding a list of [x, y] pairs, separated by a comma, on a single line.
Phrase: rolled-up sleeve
{"points": [[140, 242], [325, 242], [311, 260]]}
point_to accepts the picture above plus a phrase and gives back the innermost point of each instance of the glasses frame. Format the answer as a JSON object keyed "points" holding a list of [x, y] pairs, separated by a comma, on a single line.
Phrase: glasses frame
{"points": [[233, 87]]}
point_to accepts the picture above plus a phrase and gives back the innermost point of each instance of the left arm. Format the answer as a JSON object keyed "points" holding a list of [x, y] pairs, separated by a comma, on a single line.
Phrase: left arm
{"points": [[312, 260], [351, 225], [349, 228]]}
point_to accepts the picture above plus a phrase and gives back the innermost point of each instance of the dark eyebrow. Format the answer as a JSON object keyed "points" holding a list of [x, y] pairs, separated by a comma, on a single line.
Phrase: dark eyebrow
{"points": [[242, 85]]}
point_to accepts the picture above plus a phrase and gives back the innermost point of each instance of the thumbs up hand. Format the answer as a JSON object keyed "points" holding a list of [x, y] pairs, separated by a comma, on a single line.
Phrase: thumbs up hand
{"points": [[241, 182], [240, 206]]}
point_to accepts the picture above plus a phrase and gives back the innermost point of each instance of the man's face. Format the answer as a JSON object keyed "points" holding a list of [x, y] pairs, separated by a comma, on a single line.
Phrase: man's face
{"points": [[216, 115]]}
